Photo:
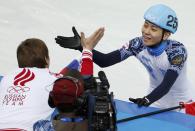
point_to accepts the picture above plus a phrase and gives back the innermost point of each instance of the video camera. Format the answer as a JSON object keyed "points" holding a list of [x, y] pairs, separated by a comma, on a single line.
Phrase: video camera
{"points": [[97, 104]]}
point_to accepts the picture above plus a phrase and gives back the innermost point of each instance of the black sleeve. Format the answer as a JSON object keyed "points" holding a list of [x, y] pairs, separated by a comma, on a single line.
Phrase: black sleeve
{"points": [[168, 81], [105, 60]]}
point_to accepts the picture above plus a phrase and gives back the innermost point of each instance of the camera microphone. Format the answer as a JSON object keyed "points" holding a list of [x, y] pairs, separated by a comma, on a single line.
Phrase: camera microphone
{"points": [[103, 79]]}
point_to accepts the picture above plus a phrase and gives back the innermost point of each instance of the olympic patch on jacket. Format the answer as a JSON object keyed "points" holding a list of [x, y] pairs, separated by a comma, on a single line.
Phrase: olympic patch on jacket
{"points": [[177, 60]]}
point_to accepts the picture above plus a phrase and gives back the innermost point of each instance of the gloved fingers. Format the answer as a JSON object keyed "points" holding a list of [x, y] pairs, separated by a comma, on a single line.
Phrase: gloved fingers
{"points": [[132, 100], [64, 40], [63, 37], [63, 43], [60, 37], [141, 103], [75, 32], [67, 44], [59, 41]]}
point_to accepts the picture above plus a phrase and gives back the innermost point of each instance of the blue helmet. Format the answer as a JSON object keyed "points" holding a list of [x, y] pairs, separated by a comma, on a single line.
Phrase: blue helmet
{"points": [[162, 16]]}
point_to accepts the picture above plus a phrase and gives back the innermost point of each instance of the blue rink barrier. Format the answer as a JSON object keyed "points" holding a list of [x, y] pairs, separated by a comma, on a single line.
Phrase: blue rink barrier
{"points": [[167, 121]]}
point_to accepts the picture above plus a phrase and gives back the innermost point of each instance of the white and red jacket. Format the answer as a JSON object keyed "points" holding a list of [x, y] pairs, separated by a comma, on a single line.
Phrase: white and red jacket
{"points": [[24, 94]]}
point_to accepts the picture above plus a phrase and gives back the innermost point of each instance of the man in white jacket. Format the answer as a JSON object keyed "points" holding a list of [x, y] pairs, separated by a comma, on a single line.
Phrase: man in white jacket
{"points": [[23, 92]]}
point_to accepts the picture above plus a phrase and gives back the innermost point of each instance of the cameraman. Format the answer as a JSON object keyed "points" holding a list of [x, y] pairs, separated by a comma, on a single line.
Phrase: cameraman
{"points": [[63, 96], [67, 89]]}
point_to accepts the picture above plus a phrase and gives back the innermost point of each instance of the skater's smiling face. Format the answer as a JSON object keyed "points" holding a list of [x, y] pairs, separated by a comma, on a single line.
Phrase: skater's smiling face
{"points": [[153, 34]]}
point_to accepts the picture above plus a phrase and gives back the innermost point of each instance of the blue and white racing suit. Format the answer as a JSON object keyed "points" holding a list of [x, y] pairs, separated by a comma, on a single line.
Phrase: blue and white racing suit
{"points": [[166, 65]]}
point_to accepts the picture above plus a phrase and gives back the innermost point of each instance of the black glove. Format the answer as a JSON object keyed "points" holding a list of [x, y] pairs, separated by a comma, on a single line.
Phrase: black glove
{"points": [[140, 101], [70, 42]]}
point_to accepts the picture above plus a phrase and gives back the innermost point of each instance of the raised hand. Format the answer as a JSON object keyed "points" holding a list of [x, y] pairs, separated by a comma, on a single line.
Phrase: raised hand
{"points": [[70, 42], [91, 41]]}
